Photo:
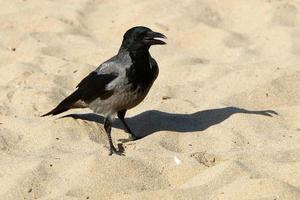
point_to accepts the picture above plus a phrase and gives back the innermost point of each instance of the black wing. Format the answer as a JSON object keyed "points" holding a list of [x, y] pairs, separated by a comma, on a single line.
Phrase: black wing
{"points": [[90, 88], [93, 86]]}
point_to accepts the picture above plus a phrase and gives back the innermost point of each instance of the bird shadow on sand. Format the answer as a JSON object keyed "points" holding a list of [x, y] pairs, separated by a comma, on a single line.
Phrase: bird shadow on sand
{"points": [[151, 121]]}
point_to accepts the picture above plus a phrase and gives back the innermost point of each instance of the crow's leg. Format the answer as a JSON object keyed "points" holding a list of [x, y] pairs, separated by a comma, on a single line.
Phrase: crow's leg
{"points": [[107, 127], [121, 115]]}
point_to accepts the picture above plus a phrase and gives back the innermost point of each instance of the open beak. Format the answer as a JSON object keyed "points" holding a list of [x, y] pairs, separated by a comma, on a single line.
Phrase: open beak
{"points": [[151, 38]]}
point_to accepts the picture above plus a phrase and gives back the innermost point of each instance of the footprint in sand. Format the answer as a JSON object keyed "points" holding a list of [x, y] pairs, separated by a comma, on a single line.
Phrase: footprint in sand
{"points": [[285, 15], [237, 40], [203, 13], [33, 184], [171, 144], [203, 158]]}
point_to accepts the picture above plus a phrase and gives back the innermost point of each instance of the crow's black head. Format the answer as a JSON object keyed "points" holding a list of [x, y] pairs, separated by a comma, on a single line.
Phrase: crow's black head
{"points": [[141, 37]]}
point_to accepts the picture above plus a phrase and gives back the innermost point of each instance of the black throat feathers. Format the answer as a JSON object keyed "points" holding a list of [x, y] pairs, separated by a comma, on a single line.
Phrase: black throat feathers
{"points": [[143, 71]]}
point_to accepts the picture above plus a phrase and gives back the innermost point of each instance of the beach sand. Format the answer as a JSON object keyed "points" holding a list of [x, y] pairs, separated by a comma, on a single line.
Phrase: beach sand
{"points": [[209, 122]]}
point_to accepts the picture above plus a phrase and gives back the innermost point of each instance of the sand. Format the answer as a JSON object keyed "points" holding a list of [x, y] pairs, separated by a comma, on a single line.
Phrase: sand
{"points": [[209, 123]]}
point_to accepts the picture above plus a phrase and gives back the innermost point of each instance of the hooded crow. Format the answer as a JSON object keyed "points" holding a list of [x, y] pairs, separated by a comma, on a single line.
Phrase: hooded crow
{"points": [[120, 83]]}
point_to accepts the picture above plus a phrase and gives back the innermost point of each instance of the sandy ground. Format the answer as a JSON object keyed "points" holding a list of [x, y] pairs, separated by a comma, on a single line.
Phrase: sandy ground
{"points": [[210, 127]]}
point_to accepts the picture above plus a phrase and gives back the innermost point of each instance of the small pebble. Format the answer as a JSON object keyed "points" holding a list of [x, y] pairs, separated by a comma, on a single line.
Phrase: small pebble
{"points": [[166, 97]]}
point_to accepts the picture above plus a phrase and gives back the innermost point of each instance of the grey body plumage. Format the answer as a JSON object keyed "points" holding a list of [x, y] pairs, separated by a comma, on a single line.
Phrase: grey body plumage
{"points": [[120, 83], [124, 95]]}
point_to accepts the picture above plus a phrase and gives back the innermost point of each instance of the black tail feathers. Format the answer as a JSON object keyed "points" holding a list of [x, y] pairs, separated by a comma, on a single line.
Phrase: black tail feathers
{"points": [[55, 111], [65, 105]]}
